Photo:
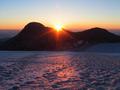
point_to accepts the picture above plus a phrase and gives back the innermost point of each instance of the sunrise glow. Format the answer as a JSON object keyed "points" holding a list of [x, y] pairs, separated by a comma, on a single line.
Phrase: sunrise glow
{"points": [[74, 15], [58, 27]]}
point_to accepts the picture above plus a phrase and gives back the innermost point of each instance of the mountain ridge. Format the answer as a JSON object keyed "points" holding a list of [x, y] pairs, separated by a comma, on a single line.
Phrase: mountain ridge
{"points": [[36, 36]]}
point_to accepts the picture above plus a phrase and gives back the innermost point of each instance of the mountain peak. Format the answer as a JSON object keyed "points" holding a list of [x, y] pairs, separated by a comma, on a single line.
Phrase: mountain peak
{"points": [[97, 29], [32, 29], [35, 24]]}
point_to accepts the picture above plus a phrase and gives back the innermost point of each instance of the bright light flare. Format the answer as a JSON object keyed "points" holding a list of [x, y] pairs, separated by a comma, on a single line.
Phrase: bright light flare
{"points": [[58, 27]]}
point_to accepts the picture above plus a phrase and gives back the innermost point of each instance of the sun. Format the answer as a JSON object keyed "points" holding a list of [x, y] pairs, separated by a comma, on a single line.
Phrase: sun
{"points": [[58, 27]]}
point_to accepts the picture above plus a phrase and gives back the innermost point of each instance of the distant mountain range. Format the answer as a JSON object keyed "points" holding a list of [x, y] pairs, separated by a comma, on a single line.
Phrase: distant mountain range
{"points": [[35, 36]]}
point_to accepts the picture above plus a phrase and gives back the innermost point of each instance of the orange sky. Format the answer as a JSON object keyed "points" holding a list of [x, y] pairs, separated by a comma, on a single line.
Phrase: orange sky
{"points": [[73, 15], [70, 26]]}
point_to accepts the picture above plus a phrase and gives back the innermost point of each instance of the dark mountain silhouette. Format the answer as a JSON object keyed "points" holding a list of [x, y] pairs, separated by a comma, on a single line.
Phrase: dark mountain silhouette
{"points": [[36, 36], [97, 35]]}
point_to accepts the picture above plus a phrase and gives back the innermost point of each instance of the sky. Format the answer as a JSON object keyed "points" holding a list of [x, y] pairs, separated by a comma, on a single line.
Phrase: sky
{"points": [[72, 14]]}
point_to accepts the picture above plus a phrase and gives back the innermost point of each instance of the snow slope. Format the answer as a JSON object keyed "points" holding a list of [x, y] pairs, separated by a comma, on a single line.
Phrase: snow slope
{"points": [[105, 48]]}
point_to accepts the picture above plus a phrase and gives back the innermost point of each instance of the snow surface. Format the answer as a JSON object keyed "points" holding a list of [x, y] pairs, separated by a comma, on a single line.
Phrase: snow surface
{"points": [[105, 48], [59, 71]]}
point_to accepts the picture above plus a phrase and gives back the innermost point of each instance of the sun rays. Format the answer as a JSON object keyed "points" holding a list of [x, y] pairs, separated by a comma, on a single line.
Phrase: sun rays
{"points": [[58, 27]]}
